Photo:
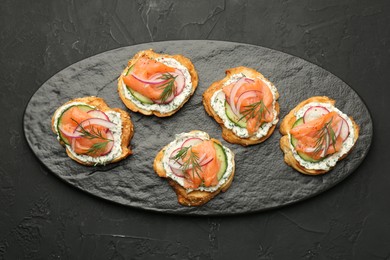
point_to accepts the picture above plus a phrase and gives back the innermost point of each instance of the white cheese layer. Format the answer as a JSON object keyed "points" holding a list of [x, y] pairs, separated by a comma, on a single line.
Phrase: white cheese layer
{"points": [[331, 160], [116, 150], [218, 104], [180, 138], [176, 102]]}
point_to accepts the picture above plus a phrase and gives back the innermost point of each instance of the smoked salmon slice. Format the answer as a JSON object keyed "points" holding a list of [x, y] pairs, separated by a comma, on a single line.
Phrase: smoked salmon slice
{"points": [[205, 175], [149, 69]]}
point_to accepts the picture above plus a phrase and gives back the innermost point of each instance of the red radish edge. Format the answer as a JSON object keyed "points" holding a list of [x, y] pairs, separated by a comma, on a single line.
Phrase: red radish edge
{"points": [[234, 90], [68, 134], [98, 114], [110, 144], [344, 131], [94, 121], [173, 154], [180, 81], [206, 161], [108, 149], [191, 141], [152, 80], [233, 93], [202, 162], [314, 113], [177, 172], [168, 100], [339, 126]]}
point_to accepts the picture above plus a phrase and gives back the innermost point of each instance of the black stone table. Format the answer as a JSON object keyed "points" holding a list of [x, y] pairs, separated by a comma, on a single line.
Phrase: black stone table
{"points": [[43, 217]]}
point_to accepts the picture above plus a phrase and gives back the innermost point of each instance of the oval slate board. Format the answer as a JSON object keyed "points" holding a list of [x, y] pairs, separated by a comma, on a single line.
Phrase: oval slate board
{"points": [[263, 181]]}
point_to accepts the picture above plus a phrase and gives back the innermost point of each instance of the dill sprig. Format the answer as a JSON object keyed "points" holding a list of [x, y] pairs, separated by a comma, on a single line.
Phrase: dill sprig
{"points": [[254, 110], [97, 147], [325, 132], [189, 162], [93, 133], [169, 86]]}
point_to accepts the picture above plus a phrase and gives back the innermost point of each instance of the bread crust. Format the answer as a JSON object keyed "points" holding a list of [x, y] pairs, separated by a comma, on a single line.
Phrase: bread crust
{"points": [[228, 134], [152, 55], [286, 126], [127, 127], [196, 197]]}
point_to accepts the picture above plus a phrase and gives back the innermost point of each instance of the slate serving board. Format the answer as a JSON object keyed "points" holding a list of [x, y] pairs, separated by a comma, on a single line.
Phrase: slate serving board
{"points": [[262, 181]]}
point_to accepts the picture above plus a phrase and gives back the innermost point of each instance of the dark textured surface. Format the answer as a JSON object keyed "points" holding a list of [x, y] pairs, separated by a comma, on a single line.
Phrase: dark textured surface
{"points": [[262, 180], [41, 217]]}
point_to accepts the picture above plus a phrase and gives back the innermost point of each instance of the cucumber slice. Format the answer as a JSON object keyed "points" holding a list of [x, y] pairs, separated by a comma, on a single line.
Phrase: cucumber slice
{"points": [[298, 122], [233, 117], [85, 108], [141, 98], [294, 142], [307, 158], [222, 158], [129, 70]]}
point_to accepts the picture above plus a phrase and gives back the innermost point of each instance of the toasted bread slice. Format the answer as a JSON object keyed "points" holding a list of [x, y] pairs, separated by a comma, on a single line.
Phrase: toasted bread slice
{"points": [[286, 126], [227, 133], [99, 104], [195, 197], [152, 55]]}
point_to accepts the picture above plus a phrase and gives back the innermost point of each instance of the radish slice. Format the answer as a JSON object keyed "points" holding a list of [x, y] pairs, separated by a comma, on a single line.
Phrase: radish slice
{"points": [[154, 80], [248, 80], [309, 149], [314, 113], [344, 131], [68, 134], [173, 154], [179, 81], [233, 93], [202, 162], [76, 145], [98, 114], [245, 95], [338, 128], [169, 99], [110, 144], [177, 172], [191, 142], [95, 121], [205, 161]]}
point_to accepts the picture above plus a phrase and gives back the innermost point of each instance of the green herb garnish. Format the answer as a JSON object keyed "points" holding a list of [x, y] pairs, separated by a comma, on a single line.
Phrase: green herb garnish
{"points": [[325, 132], [254, 110], [95, 148], [93, 133], [189, 162], [169, 86]]}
